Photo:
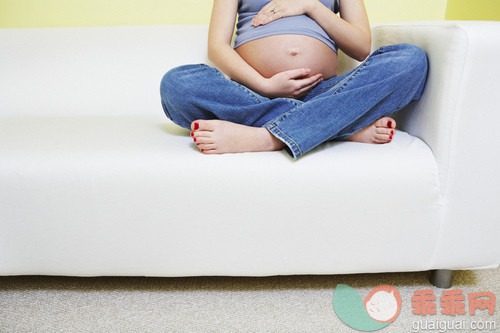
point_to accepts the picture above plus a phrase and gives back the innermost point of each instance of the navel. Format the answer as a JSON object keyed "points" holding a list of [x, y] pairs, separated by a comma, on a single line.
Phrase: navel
{"points": [[293, 51]]}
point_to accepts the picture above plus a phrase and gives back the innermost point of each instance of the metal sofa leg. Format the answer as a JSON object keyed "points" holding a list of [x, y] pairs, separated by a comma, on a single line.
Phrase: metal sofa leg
{"points": [[441, 278]]}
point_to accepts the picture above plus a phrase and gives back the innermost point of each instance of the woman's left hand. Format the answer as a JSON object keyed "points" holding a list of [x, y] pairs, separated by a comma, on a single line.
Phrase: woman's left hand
{"points": [[277, 9]]}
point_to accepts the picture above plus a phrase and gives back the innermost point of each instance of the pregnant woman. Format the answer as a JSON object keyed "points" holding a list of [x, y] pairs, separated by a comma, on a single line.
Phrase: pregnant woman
{"points": [[281, 89]]}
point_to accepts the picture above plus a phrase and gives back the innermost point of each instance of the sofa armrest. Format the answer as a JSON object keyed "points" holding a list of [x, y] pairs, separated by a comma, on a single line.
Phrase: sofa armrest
{"points": [[458, 117]]}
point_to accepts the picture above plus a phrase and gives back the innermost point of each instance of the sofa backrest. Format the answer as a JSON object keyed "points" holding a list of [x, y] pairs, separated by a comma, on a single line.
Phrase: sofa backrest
{"points": [[92, 70]]}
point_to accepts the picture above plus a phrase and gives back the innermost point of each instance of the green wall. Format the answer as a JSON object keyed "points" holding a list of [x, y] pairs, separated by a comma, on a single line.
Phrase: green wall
{"points": [[57, 13], [64, 13], [488, 10]]}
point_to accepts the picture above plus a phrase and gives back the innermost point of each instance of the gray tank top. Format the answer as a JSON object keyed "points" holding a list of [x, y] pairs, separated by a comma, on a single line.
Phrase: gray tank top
{"points": [[299, 25]]}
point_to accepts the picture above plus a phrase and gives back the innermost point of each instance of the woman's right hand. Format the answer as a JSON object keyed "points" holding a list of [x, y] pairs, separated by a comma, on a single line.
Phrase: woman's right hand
{"points": [[294, 83]]}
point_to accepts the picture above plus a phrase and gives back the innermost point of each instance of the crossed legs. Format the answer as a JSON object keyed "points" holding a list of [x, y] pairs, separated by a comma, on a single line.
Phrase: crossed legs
{"points": [[355, 106], [220, 136]]}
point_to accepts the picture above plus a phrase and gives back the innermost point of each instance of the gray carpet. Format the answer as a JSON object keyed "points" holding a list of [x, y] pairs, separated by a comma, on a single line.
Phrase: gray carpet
{"points": [[220, 304]]}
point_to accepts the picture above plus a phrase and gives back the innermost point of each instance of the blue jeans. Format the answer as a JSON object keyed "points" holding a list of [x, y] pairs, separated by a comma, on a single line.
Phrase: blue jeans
{"points": [[388, 80]]}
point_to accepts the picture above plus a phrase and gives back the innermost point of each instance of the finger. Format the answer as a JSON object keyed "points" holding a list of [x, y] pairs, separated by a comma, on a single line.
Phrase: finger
{"points": [[305, 89], [269, 10], [263, 19], [307, 84], [298, 73], [315, 79], [267, 14]]}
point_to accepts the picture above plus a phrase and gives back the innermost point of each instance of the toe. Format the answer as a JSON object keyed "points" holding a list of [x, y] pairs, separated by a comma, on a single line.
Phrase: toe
{"points": [[202, 125], [383, 135], [203, 139], [386, 122], [385, 131], [201, 134], [195, 125], [382, 138], [209, 151], [391, 123], [205, 146]]}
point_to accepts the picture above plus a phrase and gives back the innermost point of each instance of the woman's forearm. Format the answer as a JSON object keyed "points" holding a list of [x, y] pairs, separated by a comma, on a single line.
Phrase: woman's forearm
{"points": [[230, 63], [351, 32], [292, 83], [220, 51]]}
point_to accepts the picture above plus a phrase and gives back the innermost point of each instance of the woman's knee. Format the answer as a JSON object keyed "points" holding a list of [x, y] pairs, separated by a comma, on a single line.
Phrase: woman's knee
{"points": [[176, 87], [414, 68], [409, 65], [402, 60], [418, 67], [179, 79], [414, 59]]}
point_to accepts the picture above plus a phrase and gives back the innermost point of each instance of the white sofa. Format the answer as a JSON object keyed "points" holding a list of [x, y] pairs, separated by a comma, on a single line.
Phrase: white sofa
{"points": [[94, 180]]}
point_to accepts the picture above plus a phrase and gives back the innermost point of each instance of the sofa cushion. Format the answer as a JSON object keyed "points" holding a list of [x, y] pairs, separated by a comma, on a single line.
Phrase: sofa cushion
{"points": [[132, 195]]}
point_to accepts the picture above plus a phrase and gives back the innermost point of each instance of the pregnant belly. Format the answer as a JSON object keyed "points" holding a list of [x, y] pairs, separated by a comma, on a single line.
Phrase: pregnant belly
{"points": [[274, 54]]}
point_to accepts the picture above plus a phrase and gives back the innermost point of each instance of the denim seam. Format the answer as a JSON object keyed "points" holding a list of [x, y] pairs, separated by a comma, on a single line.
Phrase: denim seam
{"points": [[240, 86], [286, 114], [294, 147], [353, 75], [248, 91], [341, 84]]}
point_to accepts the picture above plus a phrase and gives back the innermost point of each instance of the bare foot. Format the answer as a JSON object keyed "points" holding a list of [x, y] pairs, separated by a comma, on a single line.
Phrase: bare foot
{"points": [[380, 131], [219, 137]]}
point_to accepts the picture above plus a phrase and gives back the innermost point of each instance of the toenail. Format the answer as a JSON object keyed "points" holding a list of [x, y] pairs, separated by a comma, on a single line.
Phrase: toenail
{"points": [[392, 133], [196, 126], [192, 133], [389, 123], [194, 139]]}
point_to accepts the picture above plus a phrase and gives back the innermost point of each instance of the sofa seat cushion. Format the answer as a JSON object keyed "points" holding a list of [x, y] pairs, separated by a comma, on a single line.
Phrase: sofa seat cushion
{"points": [[132, 195]]}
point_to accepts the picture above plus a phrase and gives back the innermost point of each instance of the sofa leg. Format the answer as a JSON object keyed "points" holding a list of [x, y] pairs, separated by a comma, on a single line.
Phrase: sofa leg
{"points": [[441, 278]]}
